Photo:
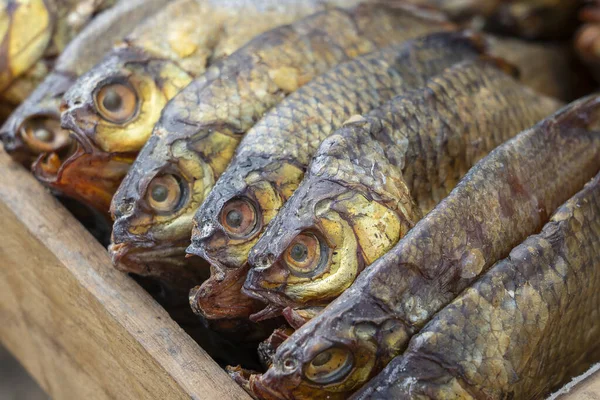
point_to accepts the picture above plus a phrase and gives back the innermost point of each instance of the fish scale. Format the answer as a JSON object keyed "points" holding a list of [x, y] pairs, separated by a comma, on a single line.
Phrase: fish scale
{"points": [[292, 131], [504, 198], [533, 315], [394, 157], [194, 140]]}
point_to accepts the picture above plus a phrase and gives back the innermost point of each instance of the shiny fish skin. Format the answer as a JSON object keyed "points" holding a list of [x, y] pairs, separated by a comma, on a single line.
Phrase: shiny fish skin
{"points": [[504, 198], [41, 108], [155, 66], [366, 178], [200, 128], [273, 156], [534, 315]]}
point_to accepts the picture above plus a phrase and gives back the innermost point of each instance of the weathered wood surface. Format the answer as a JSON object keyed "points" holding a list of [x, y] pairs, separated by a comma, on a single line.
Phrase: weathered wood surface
{"points": [[81, 328], [586, 388]]}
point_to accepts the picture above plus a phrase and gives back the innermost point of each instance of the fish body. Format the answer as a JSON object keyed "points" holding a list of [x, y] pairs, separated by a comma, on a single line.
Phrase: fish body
{"points": [[144, 72], [31, 30], [271, 159], [374, 178], [534, 315], [34, 127], [200, 127], [505, 197]]}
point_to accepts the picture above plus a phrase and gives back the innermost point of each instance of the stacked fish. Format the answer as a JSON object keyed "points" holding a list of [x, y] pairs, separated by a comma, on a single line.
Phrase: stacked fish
{"points": [[408, 201]]}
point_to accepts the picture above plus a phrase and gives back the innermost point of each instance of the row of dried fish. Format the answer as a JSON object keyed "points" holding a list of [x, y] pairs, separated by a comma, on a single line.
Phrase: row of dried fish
{"points": [[298, 143]]}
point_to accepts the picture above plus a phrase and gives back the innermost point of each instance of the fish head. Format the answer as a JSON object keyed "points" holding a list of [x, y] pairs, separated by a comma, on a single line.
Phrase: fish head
{"points": [[323, 237], [116, 104], [244, 200], [85, 173], [329, 357], [34, 127], [171, 177], [155, 204]]}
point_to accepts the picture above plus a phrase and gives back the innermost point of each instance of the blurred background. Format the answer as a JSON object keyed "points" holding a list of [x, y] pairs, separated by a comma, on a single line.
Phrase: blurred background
{"points": [[15, 382]]}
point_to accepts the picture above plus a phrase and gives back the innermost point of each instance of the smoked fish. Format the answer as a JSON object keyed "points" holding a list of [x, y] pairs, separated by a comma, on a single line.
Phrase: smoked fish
{"points": [[31, 30], [200, 127], [522, 330], [34, 127], [504, 198], [273, 156], [372, 180], [112, 109]]}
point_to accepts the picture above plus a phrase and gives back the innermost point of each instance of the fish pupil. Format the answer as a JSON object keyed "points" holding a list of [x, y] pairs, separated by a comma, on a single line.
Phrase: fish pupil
{"points": [[160, 193], [112, 101], [43, 134], [234, 218], [322, 359], [299, 252]]}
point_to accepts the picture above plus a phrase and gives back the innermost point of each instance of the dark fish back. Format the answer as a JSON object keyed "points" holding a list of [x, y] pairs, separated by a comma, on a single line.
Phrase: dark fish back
{"points": [[533, 314]]}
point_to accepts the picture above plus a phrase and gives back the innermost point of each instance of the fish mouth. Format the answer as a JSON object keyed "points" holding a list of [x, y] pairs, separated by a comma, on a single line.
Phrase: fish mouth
{"points": [[219, 269], [264, 390], [220, 297], [164, 261], [84, 173], [136, 255], [275, 299]]}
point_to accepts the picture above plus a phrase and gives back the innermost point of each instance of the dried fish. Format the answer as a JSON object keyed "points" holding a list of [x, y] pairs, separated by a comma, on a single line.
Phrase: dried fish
{"points": [[359, 197], [112, 108], [504, 198], [533, 316], [273, 156], [32, 29], [201, 127], [34, 126]]}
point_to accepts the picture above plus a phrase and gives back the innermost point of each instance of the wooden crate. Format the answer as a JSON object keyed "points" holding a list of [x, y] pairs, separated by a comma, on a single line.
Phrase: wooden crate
{"points": [[87, 331], [82, 329]]}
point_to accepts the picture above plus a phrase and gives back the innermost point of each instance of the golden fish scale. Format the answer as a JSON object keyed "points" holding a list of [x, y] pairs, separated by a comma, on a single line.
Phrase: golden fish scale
{"points": [[296, 127], [469, 111], [502, 200], [524, 328], [284, 60], [291, 131]]}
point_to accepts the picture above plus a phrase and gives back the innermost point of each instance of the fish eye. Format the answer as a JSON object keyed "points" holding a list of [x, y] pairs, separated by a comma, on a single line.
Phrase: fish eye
{"points": [[305, 255], [164, 193], [116, 102], [44, 134], [238, 217], [329, 366]]}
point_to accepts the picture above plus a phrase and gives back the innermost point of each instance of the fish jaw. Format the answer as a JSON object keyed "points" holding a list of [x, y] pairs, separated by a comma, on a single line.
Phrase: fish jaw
{"points": [[220, 297], [166, 263], [34, 128], [91, 177]]}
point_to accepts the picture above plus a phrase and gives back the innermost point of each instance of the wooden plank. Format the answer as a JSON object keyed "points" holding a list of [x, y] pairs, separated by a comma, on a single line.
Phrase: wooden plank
{"points": [[586, 387], [81, 328]]}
